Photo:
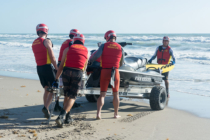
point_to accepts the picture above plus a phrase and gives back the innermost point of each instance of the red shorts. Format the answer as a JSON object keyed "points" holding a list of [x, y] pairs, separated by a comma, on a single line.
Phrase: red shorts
{"points": [[105, 80]]}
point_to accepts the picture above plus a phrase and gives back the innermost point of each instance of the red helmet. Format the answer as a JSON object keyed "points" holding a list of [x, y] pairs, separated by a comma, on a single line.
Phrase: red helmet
{"points": [[42, 27], [166, 38], [74, 32], [79, 37], [108, 34]]}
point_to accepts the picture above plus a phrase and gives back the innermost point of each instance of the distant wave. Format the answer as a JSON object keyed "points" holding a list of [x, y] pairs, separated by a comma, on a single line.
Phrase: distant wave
{"points": [[198, 57], [14, 44], [195, 47], [121, 37], [192, 80], [18, 36], [156, 38], [25, 45], [30, 36]]}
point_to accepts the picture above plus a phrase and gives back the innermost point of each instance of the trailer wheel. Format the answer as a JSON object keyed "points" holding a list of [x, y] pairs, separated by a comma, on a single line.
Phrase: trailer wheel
{"points": [[158, 98], [92, 98]]}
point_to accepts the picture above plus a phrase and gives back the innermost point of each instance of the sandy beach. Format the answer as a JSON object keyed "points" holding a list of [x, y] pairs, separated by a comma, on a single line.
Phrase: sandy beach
{"points": [[21, 118]]}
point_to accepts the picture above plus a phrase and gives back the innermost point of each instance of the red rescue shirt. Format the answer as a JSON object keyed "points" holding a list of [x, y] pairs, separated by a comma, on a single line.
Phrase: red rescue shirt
{"points": [[163, 56], [111, 55], [40, 52], [76, 56], [65, 45]]}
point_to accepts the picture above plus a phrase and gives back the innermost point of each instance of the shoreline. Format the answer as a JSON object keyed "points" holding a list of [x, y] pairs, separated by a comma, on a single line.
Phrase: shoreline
{"points": [[172, 100], [20, 75]]}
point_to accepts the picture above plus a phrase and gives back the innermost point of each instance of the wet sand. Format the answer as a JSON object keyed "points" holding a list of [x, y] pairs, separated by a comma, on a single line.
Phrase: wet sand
{"points": [[21, 100]]}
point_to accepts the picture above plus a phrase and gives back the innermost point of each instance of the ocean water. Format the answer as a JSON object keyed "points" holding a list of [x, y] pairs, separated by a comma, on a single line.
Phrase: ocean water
{"points": [[190, 76]]}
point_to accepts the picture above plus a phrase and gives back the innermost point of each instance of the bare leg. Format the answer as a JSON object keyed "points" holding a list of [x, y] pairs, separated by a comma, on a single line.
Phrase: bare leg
{"points": [[65, 100], [166, 84], [68, 104], [100, 103], [49, 100], [116, 102], [46, 94]]}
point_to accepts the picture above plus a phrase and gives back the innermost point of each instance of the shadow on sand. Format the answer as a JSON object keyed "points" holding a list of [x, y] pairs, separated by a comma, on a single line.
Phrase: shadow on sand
{"points": [[30, 117]]}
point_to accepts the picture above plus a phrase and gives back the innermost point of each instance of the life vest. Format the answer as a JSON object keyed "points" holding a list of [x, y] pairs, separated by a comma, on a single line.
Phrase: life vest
{"points": [[76, 56], [111, 55], [65, 45], [98, 60], [163, 55], [40, 52]]}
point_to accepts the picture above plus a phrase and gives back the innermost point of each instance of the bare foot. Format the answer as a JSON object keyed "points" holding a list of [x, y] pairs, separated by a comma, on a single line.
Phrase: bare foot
{"points": [[117, 116], [98, 118]]}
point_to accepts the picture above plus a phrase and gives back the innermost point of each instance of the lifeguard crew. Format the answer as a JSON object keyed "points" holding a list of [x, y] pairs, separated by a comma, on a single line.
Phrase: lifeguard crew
{"points": [[112, 57], [67, 43], [164, 54], [44, 56], [73, 64]]}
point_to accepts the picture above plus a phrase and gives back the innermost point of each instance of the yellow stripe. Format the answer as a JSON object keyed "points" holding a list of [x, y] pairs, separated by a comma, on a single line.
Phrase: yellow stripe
{"points": [[48, 58], [65, 62], [169, 60], [84, 67]]}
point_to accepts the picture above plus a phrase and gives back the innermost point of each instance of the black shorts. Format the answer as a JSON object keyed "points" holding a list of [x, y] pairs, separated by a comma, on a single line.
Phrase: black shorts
{"points": [[71, 82], [46, 75], [165, 75]]}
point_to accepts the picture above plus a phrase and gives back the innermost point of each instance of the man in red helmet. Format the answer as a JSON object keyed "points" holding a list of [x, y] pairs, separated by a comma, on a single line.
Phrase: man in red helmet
{"points": [[66, 44], [112, 57], [73, 64], [44, 56], [164, 54]]}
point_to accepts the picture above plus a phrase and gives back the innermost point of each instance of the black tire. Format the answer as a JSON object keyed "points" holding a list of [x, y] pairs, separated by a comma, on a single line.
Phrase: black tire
{"points": [[92, 98], [158, 98]]}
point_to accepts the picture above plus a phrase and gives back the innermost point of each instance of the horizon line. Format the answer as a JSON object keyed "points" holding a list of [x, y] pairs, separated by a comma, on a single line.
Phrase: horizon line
{"points": [[117, 33]]}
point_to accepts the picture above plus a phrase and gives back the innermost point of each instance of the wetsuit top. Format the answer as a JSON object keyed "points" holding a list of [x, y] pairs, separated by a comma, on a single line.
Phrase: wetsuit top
{"points": [[65, 45], [164, 55], [111, 53], [98, 60], [40, 52], [76, 56]]}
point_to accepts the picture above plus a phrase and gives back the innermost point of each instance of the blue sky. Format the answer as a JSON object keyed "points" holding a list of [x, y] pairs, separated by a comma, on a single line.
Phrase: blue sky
{"points": [[98, 16]]}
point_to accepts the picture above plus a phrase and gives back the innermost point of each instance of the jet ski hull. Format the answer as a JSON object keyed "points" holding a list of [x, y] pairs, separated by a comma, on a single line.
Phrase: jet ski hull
{"points": [[135, 82], [138, 78]]}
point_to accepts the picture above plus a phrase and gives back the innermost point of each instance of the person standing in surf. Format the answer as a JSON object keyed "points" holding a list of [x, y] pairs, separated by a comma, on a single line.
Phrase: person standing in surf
{"points": [[44, 56], [67, 43], [73, 65], [112, 57], [164, 54]]}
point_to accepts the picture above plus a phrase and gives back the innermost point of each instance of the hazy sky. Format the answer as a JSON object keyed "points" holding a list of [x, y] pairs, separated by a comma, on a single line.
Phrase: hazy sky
{"points": [[98, 16]]}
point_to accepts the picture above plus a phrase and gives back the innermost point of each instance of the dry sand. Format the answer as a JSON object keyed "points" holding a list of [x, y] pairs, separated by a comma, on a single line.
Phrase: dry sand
{"points": [[21, 101]]}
